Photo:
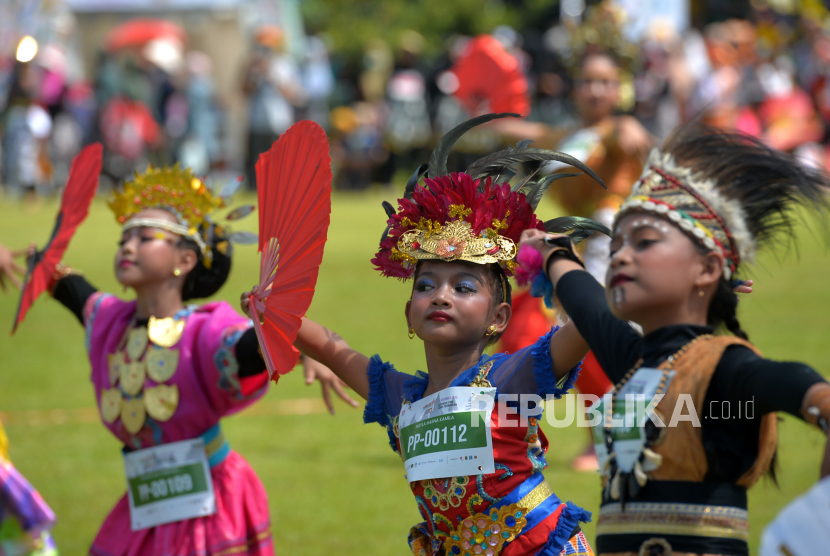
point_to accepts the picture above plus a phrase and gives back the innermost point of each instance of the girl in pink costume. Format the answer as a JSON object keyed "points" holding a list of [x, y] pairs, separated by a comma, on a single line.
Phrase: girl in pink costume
{"points": [[166, 372]]}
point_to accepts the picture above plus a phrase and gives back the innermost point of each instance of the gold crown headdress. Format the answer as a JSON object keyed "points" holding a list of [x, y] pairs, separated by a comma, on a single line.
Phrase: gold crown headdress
{"points": [[187, 198]]}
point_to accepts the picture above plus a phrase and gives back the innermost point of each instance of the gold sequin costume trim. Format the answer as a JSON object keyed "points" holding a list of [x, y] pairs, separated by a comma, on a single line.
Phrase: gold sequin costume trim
{"points": [[487, 533], [674, 519]]}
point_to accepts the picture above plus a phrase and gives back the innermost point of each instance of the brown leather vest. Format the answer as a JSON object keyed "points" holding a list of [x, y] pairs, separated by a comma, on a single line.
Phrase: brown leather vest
{"points": [[684, 458]]}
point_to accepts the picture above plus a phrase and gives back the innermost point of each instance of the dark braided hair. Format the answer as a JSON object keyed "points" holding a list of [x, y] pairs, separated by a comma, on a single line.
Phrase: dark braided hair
{"points": [[723, 310], [203, 282]]}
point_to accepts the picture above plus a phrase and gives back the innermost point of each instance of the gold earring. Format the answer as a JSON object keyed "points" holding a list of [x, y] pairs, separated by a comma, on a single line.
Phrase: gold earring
{"points": [[411, 333], [491, 330], [701, 293], [177, 272]]}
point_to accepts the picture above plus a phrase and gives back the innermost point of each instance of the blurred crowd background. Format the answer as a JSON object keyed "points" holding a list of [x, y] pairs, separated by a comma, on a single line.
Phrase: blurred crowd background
{"points": [[212, 83]]}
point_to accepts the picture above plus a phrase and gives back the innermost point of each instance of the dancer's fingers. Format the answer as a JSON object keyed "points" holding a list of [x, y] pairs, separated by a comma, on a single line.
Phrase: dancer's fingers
{"points": [[338, 388], [3, 284], [324, 385], [308, 371], [14, 280]]}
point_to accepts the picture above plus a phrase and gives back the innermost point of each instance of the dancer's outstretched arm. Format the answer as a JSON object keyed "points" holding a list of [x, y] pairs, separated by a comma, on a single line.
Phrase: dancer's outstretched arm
{"points": [[567, 348], [330, 349]]}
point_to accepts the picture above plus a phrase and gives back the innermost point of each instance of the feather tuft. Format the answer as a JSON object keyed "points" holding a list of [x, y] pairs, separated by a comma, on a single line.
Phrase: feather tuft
{"points": [[579, 227], [438, 159]]}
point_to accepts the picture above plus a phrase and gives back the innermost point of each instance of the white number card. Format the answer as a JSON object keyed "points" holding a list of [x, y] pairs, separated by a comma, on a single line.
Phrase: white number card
{"points": [[448, 434], [627, 414], [169, 483]]}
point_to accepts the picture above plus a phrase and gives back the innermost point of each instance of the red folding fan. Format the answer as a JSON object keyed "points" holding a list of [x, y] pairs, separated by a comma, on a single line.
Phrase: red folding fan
{"points": [[77, 196], [490, 79], [294, 190]]}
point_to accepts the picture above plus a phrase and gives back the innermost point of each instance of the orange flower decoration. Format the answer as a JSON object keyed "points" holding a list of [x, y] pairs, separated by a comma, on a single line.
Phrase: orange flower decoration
{"points": [[450, 248]]}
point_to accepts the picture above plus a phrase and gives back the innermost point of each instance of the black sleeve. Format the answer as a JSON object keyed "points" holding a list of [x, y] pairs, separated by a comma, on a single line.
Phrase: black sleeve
{"points": [[743, 376], [73, 291], [614, 342], [247, 354]]}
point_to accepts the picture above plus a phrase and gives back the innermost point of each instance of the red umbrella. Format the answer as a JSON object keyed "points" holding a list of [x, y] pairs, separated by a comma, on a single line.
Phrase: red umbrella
{"points": [[138, 32], [490, 79]]}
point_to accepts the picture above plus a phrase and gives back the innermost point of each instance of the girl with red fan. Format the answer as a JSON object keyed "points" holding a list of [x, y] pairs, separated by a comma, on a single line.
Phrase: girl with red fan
{"points": [[456, 236], [166, 372]]}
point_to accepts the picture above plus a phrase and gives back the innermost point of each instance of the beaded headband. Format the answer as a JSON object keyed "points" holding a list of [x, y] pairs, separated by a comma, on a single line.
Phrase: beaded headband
{"points": [[179, 229], [177, 191], [695, 206]]}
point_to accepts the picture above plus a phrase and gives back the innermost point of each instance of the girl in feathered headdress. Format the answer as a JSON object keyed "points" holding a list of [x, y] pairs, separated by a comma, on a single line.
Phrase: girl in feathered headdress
{"points": [[473, 464], [676, 483]]}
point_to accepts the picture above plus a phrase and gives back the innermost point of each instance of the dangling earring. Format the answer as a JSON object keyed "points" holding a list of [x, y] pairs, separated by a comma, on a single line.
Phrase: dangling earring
{"points": [[491, 330], [177, 272], [701, 293], [411, 333]]}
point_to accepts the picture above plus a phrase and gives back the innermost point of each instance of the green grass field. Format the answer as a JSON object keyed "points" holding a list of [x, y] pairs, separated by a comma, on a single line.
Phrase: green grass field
{"points": [[334, 485]]}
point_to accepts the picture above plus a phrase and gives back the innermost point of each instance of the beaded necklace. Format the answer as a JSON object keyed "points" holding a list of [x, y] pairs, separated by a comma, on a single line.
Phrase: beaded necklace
{"points": [[614, 487]]}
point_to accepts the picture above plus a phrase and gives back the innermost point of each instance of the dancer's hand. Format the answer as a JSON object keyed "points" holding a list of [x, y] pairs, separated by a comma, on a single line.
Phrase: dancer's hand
{"points": [[245, 303], [547, 245], [745, 286], [9, 269], [314, 370]]}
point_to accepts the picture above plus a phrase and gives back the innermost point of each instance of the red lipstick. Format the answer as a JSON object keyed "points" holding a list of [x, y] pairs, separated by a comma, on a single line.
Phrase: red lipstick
{"points": [[619, 280], [439, 316]]}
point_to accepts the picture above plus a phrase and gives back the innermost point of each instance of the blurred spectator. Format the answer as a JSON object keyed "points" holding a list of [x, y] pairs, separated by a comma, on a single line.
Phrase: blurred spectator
{"points": [[272, 84], [317, 80], [407, 126], [200, 148], [27, 127]]}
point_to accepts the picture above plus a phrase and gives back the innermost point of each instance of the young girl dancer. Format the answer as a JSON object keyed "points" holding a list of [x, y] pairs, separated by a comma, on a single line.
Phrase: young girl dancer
{"points": [[456, 237], [700, 210], [166, 372]]}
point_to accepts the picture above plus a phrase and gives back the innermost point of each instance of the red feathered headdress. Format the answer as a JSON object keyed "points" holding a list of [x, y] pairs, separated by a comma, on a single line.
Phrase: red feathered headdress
{"points": [[465, 216]]}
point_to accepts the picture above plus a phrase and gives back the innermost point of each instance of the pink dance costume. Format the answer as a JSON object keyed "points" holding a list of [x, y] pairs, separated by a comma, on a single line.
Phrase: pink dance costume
{"points": [[206, 376]]}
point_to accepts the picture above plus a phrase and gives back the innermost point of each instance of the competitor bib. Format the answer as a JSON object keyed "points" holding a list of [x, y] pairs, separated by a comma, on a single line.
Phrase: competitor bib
{"points": [[448, 434], [169, 483], [626, 413]]}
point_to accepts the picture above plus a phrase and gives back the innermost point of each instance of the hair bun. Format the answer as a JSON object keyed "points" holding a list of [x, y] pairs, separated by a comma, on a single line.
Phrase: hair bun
{"points": [[203, 282]]}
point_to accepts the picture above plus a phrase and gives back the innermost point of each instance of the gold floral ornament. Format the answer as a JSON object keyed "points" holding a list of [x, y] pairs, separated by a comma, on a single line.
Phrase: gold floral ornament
{"points": [[455, 241], [487, 533]]}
